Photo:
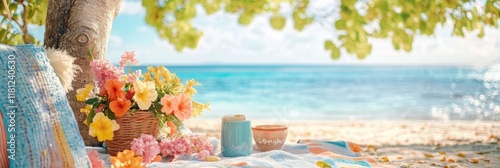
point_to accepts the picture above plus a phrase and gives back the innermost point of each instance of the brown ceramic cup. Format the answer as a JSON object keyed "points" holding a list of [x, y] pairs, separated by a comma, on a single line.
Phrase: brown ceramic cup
{"points": [[269, 137]]}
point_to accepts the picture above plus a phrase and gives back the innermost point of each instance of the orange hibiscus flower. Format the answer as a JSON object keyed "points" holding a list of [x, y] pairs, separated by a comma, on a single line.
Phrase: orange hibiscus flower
{"points": [[115, 89], [119, 107], [184, 107], [173, 128], [103, 92], [169, 104]]}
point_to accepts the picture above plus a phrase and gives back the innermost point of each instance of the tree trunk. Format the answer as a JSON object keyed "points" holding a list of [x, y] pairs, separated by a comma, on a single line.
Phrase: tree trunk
{"points": [[79, 26]]}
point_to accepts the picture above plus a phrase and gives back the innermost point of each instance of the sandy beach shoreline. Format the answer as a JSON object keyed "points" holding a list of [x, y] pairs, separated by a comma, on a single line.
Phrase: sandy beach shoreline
{"points": [[399, 143]]}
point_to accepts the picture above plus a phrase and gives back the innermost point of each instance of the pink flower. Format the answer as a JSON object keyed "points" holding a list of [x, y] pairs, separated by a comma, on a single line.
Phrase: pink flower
{"points": [[166, 148], [128, 58], [103, 70], [145, 146], [132, 77], [170, 104], [184, 107], [201, 143], [137, 145], [100, 108], [147, 138], [179, 146], [187, 145], [202, 155], [94, 159], [151, 149]]}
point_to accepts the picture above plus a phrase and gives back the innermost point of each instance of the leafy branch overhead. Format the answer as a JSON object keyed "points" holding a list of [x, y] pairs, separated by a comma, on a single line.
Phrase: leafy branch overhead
{"points": [[172, 18], [402, 20], [354, 23], [15, 18]]}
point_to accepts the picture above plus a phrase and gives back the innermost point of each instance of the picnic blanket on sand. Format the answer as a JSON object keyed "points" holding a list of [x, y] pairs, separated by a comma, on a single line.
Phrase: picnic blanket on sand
{"points": [[303, 154]]}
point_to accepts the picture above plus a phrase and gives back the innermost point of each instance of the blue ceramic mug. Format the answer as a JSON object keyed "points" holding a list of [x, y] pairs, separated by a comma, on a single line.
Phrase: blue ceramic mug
{"points": [[236, 136]]}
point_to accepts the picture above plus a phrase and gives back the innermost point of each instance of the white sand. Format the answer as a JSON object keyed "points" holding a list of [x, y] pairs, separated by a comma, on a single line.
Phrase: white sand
{"points": [[405, 143]]}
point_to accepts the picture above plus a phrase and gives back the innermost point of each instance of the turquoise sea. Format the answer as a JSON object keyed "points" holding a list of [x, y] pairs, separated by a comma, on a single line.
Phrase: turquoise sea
{"points": [[347, 92]]}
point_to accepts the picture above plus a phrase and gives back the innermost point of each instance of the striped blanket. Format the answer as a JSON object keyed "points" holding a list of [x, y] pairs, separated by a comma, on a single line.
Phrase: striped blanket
{"points": [[306, 153]]}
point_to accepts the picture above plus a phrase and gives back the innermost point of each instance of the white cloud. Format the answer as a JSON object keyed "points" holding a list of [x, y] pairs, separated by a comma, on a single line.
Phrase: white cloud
{"points": [[115, 41], [131, 8], [441, 49]]}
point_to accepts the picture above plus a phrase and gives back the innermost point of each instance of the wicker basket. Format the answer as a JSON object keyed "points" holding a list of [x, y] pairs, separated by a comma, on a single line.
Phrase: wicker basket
{"points": [[143, 122]]}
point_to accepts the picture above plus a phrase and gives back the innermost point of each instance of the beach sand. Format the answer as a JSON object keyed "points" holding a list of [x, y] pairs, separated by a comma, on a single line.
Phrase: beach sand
{"points": [[402, 143]]}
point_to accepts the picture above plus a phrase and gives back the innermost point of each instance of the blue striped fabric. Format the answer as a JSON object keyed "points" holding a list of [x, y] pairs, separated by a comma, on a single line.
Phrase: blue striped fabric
{"points": [[46, 133]]}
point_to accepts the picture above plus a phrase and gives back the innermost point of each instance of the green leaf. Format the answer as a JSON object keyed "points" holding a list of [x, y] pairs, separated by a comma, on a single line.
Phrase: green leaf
{"points": [[110, 115], [340, 25], [89, 54], [92, 101], [335, 52], [245, 18], [396, 41], [212, 8], [31, 13], [158, 107], [407, 47], [90, 116], [15, 17], [12, 8], [278, 22], [149, 3], [17, 39], [481, 33], [329, 44], [3, 32], [458, 31]]}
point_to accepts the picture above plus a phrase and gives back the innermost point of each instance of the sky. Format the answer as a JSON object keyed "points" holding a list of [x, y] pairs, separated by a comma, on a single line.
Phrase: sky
{"points": [[227, 42]]}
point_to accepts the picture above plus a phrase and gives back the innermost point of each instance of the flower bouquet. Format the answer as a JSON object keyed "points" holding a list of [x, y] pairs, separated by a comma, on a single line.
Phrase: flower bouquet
{"points": [[130, 104]]}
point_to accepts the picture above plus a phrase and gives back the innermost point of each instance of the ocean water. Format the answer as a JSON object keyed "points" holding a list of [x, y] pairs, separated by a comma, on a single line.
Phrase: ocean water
{"points": [[347, 92]]}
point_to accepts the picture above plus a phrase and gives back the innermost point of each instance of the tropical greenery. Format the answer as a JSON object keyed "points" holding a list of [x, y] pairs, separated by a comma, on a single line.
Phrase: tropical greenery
{"points": [[15, 18], [353, 22]]}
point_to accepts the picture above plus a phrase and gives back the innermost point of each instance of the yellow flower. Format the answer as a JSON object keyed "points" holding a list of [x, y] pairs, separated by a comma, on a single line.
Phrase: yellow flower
{"points": [[83, 93], [198, 108], [150, 68], [145, 93], [189, 90], [102, 127], [164, 73], [147, 76], [86, 109], [158, 82], [126, 158]]}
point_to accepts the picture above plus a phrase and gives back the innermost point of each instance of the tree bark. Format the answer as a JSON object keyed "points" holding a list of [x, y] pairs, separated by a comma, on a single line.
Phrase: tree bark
{"points": [[77, 27]]}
